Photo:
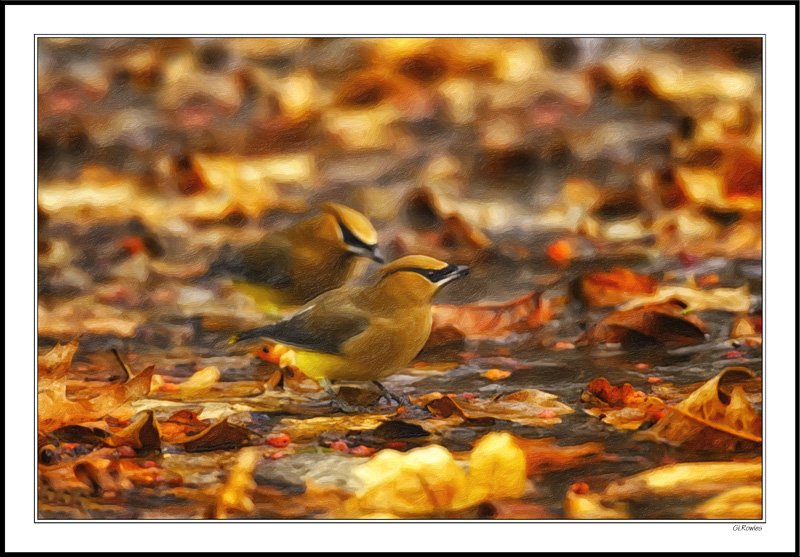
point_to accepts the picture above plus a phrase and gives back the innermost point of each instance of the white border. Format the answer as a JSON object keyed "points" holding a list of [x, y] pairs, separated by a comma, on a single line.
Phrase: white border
{"points": [[22, 22]]}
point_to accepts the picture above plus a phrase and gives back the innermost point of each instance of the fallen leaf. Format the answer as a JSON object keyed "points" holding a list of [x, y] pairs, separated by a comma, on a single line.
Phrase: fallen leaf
{"points": [[622, 407], [216, 437], [309, 429], [142, 434], [524, 407], [688, 479], [735, 300], [662, 323], [739, 503], [496, 374], [58, 361], [543, 455], [56, 410], [717, 416], [614, 287], [428, 480], [590, 506], [491, 320], [205, 385]]}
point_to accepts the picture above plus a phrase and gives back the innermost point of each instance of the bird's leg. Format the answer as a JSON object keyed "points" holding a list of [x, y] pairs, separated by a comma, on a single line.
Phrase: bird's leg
{"points": [[338, 402], [389, 395]]}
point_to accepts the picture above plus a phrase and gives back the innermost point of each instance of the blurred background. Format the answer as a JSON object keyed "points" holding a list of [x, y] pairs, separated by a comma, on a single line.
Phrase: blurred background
{"points": [[534, 160]]}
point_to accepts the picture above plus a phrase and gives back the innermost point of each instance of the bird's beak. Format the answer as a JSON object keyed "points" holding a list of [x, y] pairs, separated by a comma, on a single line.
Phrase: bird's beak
{"points": [[457, 272], [372, 252]]}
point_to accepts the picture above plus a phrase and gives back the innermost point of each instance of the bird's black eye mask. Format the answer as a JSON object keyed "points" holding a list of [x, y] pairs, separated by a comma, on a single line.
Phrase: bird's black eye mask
{"points": [[351, 239], [434, 275]]}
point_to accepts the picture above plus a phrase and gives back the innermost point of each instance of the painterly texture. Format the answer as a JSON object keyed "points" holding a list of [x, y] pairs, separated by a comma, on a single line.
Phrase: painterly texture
{"points": [[602, 360]]}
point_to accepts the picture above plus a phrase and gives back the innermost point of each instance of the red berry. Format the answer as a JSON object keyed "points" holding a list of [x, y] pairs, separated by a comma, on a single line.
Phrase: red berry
{"points": [[339, 446], [280, 440]]}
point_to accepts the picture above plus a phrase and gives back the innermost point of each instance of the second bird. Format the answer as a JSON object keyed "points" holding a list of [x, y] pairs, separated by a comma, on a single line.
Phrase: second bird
{"points": [[292, 266]]}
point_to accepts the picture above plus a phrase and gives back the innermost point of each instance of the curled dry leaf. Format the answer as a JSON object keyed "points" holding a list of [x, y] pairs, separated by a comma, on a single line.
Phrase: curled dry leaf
{"points": [[56, 410], [740, 503], [735, 300], [205, 385], [622, 407], [181, 424], [717, 416], [747, 328], [489, 320], [688, 479], [428, 480], [218, 436], [590, 506], [142, 434], [527, 407], [57, 362], [667, 323], [614, 287]]}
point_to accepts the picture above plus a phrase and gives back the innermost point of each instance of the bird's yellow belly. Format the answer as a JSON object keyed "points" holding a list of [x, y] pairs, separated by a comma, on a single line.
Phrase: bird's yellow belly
{"points": [[329, 366], [269, 300]]}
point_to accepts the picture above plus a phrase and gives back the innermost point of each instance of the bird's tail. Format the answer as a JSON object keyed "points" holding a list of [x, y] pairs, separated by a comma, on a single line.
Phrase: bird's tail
{"points": [[257, 333]]}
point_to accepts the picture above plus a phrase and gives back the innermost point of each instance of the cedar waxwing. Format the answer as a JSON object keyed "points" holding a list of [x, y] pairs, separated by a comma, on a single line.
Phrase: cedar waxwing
{"points": [[293, 266], [364, 333]]}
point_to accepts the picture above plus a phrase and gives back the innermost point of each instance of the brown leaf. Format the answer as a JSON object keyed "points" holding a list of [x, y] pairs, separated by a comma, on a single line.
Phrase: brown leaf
{"points": [[662, 323], [611, 288], [142, 434], [623, 407], [543, 455], [56, 363], [490, 319], [218, 436], [56, 410], [528, 407], [717, 416]]}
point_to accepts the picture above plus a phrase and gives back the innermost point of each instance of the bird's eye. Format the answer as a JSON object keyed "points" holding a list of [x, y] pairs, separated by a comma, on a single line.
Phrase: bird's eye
{"points": [[351, 239]]}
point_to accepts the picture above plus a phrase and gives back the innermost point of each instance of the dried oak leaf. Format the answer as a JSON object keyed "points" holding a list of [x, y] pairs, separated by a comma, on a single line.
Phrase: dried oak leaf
{"points": [[57, 362], [492, 320], [142, 434], [527, 407], [219, 436], [181, 424], [717, 416], [56, 410], [666, 323], [619, 285], [622, 407]]}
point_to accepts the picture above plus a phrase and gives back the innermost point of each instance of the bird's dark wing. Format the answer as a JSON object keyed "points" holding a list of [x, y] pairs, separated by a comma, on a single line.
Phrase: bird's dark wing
{"points": [[268, 262], [322, 325]]}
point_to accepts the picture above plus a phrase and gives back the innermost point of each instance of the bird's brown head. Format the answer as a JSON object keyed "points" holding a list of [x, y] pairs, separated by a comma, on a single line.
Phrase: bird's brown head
{"points": [[417, 278], [351, 231]]}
